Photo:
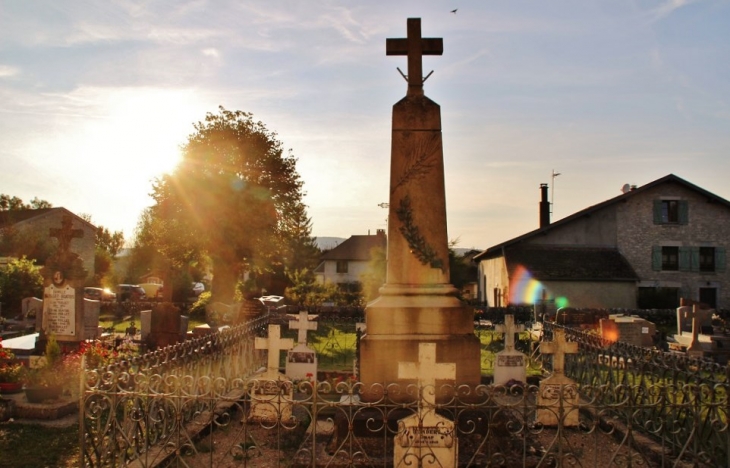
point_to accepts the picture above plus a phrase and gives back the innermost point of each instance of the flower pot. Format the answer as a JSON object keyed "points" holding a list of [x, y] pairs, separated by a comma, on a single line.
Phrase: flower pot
{"points": [[10, 387], [41, 394]]}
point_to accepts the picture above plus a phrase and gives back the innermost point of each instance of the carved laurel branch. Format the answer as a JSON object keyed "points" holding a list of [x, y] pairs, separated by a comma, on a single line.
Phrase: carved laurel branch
{"points": [[419, 160], [423, 252]]}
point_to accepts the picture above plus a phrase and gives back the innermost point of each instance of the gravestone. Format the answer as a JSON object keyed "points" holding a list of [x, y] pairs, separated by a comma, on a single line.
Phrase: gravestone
{"points": [[165, 326], [145, 324], [301, 362], [32, 310], [628, 329], [91, 319], [63, 297], [558, 395], [417, 304], [426, 439], [686, 315], [271, 392], [510, 364]]}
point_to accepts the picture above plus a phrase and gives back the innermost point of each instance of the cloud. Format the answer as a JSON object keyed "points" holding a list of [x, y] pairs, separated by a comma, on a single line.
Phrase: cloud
{"points": [[670, 7], [211, 52], [8, 71]]}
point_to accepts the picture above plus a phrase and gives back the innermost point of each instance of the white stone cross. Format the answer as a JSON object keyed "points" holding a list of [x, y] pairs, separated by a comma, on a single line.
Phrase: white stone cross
{"points": [[558, 348], [426, 371], [509, 329], [302, 322], [274, 344]]}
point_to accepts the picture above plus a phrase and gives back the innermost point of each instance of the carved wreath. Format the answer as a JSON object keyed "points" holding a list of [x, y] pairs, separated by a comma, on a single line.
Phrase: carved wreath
{"points": [[418, 245]]}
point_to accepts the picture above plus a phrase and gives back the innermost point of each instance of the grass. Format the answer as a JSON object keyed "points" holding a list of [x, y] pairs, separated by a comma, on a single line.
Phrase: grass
{"points": [[35, 446]]}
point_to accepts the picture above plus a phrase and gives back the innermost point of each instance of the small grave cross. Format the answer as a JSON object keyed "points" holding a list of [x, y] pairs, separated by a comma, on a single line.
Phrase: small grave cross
{"points": [[426, 371], [509, 329], [303, 323], [415, 47], [274, 344], [65, 234], [558, 348]]}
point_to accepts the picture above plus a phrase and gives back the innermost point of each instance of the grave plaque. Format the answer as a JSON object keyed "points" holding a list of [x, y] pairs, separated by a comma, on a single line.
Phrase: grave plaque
{"points": [[557, 400], [510, 363], [59, 310], [301, 362], [271, 392]]}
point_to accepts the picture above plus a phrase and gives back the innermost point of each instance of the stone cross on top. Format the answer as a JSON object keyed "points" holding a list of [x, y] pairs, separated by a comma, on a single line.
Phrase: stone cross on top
{"points": [[426, 371], [509, 329], [415, 47], [274, 344], [65, 234], [558, 348], [303, 323]]}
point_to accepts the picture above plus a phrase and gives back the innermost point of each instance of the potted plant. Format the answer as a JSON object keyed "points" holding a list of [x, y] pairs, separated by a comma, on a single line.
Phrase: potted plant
{"points": [[11, 371]]}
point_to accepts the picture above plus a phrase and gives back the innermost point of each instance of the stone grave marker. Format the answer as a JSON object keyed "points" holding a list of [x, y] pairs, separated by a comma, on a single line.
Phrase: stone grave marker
{"points": [[63, 299], [301, 362], [628, 329], [695, 349], [271, 392], [32, 310], [685, 319], [145, 324], [165, 326], [510, 364], [91, 319], [558, 395], [418, 303], [426, 439]]}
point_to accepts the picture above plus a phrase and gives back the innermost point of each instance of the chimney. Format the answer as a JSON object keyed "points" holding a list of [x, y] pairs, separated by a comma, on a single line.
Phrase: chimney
{"points": [[544, 206]]}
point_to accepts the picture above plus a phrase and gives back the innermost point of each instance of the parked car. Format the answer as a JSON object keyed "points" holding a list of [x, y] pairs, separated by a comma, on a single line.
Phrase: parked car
{"points": [[99, 294], [130, 292], [197, 288], [152, 290]]}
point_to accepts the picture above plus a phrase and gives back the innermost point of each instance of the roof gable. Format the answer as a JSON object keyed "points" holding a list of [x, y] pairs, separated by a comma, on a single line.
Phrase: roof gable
{"points": [[13, 217], [671, 178], [356, 248]]}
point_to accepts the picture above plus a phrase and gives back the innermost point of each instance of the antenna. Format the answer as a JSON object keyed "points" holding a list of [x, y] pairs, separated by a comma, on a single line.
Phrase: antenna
{"points": [[625, 188], [552, 191]]}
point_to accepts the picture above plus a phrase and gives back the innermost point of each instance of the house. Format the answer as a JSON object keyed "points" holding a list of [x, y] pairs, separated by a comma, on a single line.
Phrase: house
{"points": [[30, 230], [645, 248], [347, 262]]}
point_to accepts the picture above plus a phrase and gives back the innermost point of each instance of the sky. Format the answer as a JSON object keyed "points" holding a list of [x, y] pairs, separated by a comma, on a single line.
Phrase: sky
{"points": [[97, 96]]}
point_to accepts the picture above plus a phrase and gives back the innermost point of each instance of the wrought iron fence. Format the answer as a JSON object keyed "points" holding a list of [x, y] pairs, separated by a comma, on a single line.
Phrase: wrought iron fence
{"points": [[195, 405]]}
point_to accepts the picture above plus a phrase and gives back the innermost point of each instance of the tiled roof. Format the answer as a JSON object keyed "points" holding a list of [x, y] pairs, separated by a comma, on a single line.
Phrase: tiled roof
{"points": [[356, 248], [8, 218], [547, 262]]}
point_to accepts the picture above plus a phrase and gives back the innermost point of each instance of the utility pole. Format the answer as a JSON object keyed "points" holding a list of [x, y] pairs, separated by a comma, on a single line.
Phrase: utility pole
{"points": [[552, 192]]}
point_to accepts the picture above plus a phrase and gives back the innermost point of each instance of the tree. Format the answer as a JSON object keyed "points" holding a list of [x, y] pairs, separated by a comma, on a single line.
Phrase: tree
{"points": [[230, 198], [9, 203], [21, 278]]}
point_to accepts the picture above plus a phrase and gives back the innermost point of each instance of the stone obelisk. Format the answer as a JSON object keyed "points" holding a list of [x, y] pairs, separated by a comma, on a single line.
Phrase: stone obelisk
{"points": [[417, 304]]}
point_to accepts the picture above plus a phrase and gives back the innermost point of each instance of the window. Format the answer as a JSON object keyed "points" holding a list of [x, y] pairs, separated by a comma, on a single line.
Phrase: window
{"points": [[341, 266], [670, 258], [670, 212], [707, 258]]}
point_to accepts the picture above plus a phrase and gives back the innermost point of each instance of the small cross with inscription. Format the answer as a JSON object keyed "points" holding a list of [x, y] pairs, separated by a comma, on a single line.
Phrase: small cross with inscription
{"points": [[509, 329], [303, 323], [274, 344], [65, 234], [558, 348], [415, 47], [426, 371]]}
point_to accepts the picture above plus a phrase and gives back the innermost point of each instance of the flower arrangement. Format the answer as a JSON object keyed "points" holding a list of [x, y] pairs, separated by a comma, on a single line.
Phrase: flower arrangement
{"points": [[11, 371]]}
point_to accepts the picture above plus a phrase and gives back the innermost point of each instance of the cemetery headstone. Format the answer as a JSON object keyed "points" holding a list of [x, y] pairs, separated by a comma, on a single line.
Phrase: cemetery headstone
{"points": [[165, 326], [417, 303], [426, 438], [301, 361], [558, 396], [271, 393], [628, 329], [145, 324], [63, 299], [32, 310], [695, 349], [510, 364], [91, 319]]}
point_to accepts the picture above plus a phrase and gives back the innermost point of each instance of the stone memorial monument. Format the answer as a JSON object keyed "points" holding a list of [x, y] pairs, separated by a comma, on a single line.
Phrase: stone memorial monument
{"points": [[272, 392], [628, 329], [510, 364], [301, 361], [558, 396], [417, 303], [426, 438], [63, 292], [165, 325]]}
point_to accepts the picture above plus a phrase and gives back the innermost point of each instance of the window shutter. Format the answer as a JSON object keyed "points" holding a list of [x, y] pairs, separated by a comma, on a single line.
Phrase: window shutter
{"points": [[683, 212], [656, 258], [684, 262], [657, 212], [720, 259], [694, 258]]}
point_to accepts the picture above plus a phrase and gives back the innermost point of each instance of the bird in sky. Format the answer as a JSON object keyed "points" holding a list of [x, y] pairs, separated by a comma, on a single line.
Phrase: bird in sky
{"points": [[454, 11]]}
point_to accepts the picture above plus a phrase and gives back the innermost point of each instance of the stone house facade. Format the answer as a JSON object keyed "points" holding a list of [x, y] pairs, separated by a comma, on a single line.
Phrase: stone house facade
{"points": [[38, 223], [346, 263], [665, 240]]}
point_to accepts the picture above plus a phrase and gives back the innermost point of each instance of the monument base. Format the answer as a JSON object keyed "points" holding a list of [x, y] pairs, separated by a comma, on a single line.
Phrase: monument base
{"points": [[398, 323]]}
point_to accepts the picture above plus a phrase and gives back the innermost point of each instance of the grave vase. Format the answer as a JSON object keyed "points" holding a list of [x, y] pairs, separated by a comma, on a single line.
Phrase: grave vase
{"points": [[10, 387], [36, 394]]}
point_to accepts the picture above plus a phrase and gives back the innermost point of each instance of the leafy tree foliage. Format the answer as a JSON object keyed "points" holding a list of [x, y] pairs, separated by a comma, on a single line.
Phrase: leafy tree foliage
{"points": [[19, 279], [9, 203], [232, 197]]}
